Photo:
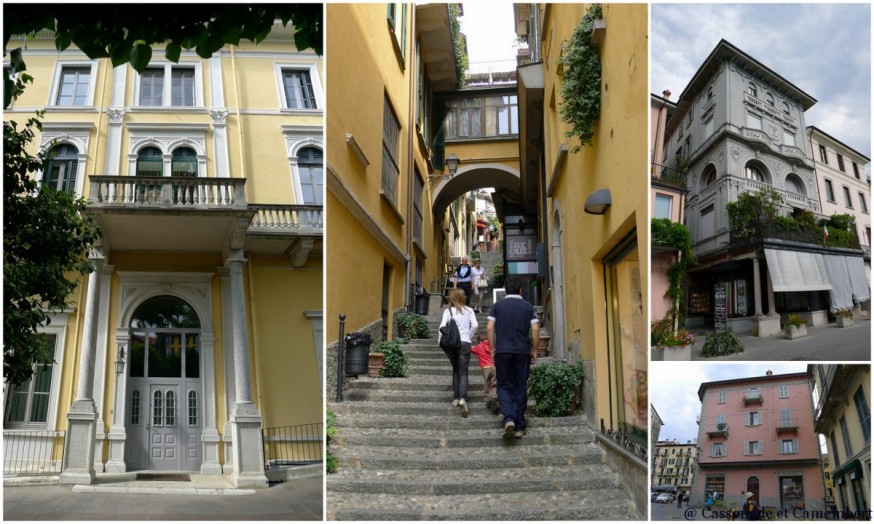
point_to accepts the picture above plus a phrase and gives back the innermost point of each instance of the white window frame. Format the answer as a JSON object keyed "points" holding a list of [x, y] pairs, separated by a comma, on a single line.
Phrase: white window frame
{"points": [[794, 446], [297, 138], [784, 390], [753, 447], [56, 85], [722, 446], [167, 138], [722, 397], [754, 119], [788, 138], [753, 418], [77, 134], [670, 201], [166, 96], [313, 70], [58, 327]]}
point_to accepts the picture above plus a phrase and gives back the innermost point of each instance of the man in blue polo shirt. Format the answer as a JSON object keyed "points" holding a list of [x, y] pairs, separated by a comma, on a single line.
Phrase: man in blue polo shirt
{"points": [[508, 324]]}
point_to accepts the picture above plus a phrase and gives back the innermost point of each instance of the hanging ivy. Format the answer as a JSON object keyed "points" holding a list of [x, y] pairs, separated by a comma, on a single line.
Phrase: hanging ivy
{"points": [[581, 80], [458, 46], [666, 233]]}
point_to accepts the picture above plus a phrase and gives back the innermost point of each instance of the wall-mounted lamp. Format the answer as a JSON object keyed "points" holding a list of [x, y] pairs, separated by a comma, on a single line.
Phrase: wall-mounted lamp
{"points": [[119, 362], [598, 202], [452, 162]]}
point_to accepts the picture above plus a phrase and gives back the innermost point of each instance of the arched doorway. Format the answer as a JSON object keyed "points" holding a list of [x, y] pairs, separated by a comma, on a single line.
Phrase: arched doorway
{"points": [[164, 394], [753, 487]]}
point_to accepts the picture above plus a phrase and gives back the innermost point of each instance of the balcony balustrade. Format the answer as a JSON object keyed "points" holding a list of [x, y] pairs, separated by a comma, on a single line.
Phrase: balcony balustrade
{"points": [[752, 398], [284, 219], [718, 430], [141, 192], [787, 426]]}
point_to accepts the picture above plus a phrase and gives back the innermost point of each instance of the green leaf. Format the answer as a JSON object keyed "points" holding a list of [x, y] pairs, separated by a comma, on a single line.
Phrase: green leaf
{"points": [[16, 61], [120, 53], [173, 52], [140, 56], [63, 40]]}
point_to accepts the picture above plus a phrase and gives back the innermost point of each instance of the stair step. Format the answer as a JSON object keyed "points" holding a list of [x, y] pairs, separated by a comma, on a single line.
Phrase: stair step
{"points": [[502, 454], [453, 439], [596, 504], [479, 419], [479, 482]]}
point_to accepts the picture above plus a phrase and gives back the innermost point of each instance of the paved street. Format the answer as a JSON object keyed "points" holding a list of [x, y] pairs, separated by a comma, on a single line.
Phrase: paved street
{"points": [[828, 342], [299, 499]]}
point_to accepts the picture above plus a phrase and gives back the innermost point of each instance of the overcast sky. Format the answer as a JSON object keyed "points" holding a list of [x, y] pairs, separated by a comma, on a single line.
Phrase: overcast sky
{"points": [[823, 49], [491, 35], [673, 390]]}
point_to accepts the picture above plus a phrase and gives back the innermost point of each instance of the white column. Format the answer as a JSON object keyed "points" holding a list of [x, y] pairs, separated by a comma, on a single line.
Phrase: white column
{"points": [[117, 433], [78, 463], [247, 446], [210, 437], [772, 307], [101, 351], [228, 358], [757, 286]]}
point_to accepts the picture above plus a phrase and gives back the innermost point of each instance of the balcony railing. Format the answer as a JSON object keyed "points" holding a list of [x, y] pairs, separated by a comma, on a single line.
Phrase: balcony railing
{"points": [[167, 192], [718, 430], [293, 445], [787, 426], [303, 220], [668, 175], [752, 398]]}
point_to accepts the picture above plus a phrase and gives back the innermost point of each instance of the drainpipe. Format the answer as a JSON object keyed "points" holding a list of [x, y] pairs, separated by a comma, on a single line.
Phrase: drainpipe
{"points": [[239, 119], [411, 171]]}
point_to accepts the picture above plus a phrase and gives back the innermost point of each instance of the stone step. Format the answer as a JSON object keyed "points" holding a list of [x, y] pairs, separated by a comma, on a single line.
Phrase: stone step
{"points": [[475, 482], [594, 504], [442, 408], [479, 419], [473, 395], [460, 436], [501, 454]]}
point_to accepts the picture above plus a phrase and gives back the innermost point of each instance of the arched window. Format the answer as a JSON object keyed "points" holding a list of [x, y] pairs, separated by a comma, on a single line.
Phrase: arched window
{"points": [[165, 312], [62, 168], [754, 173], [165, 339], [150, 162], [310, 165], [770, 99], [709, 175], [786, 108], [795, 185], [184, 162], [751, 89]]}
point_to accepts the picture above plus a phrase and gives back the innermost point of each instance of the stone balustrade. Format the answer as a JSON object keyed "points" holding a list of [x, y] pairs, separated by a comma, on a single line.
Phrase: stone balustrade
{"points": [[167, 192]]}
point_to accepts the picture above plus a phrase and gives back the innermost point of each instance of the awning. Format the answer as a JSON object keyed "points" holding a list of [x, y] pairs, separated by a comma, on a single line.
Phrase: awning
{"points": [[852, 469], [797, 271], [847, 275]]}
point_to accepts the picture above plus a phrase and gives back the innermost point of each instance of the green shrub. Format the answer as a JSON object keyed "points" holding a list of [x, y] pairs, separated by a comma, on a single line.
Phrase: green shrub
{"points": [[395, 361], [331, 462], [553, 386], [795, 320], [581, 80], [412, 325], [725, 343]]}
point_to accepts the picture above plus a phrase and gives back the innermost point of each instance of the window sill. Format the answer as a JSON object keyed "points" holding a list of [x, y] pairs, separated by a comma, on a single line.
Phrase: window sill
{"points": [[70, 109], [391, 205], [301, 112], [168, 109]]}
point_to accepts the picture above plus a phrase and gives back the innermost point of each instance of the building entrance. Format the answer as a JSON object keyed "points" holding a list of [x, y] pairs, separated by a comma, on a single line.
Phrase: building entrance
{"points": [[164, 387]]}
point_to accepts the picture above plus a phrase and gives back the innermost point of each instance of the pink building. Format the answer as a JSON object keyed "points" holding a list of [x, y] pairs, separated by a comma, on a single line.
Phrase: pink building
{"points": [[756, 435], [668, 197]]}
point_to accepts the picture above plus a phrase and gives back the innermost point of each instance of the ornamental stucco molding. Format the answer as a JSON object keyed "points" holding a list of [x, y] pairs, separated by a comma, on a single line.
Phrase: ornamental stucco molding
{"points": [[218, 116], [116, 114]]}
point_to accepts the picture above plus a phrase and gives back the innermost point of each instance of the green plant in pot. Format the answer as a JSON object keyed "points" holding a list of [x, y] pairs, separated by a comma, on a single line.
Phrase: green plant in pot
{"points": [[412, 326], [554, 386], [724, 343], [795, 320], [394, 359]]}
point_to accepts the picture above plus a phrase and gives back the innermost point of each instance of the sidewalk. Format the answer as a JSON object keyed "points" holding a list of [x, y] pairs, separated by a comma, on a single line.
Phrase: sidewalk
{"points": [[115, 497], [827, 342]]}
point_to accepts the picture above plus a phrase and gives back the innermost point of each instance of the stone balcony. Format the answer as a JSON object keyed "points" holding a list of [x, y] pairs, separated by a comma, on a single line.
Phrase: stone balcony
{"points": [[164, 214]]}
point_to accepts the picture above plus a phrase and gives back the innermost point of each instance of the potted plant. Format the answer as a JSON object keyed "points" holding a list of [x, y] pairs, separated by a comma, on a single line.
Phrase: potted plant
{"points": [[723, 343], [844, 317], [554, 387], [796, 327], [357, 347], [672, 346], [543, 346], [412, 325], [393, 360]]}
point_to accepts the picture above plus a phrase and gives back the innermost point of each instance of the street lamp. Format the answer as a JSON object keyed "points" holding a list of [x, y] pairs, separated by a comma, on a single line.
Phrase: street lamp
{"points": [[119, 362], [452, 162]]}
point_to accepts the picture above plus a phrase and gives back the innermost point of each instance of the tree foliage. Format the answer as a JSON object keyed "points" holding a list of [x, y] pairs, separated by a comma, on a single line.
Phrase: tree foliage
{"points": [[581, 80], [125, 33], [666, 233], [45, 236]]}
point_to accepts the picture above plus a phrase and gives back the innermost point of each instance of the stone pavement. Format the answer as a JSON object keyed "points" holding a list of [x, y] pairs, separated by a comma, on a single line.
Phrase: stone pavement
{"points": [[116, 497], [827, 342]]}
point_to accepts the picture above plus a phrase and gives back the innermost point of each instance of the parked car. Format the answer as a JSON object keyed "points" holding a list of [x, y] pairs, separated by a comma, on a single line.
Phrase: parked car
{"points": [[652, 496], [665, 498]]}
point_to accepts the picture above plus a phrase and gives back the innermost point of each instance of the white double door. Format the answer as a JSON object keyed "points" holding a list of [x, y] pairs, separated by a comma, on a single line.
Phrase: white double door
{"points": [[164, 425]]}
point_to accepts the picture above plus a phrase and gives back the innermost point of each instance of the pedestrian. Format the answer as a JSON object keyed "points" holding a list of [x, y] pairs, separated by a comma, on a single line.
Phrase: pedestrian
{"points": [[751, 509], [680, 499], [479, 278], [509, 322], [487, 364], [460, 359], [463, 275]]}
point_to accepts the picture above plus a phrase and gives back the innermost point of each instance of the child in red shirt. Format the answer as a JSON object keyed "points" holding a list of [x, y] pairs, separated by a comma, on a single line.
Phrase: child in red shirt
{"points": [[490, 384]]}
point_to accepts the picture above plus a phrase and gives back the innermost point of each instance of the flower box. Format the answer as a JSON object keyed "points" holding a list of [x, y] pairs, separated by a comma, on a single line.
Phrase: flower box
{"points": [[845, 321], [793, 332], [672, 353]]}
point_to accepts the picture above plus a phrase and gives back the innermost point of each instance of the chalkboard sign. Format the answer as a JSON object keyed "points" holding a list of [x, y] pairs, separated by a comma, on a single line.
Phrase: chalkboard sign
{"points": [[719, 316], [699, 302]]}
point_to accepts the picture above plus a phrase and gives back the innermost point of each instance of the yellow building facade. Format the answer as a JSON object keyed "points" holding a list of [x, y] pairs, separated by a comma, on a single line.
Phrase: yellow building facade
{"points": [[592, 208], [201, 325], [382, 169]]}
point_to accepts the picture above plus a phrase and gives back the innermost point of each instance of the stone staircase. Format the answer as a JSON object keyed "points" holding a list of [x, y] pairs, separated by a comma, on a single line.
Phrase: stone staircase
{"points": [[406, 454]]}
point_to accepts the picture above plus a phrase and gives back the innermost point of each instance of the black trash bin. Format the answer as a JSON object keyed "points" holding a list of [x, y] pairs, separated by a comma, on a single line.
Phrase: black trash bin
{"points": [[356, 359], [422, 299]]}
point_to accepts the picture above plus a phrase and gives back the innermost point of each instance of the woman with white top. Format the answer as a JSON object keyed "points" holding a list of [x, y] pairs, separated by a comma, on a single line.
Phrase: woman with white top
{"points": [[477, 272], [460, 360]]}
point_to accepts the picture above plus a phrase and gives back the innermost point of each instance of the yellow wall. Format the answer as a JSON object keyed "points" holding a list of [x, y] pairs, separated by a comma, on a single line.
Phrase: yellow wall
{"points": [[616, 160]]}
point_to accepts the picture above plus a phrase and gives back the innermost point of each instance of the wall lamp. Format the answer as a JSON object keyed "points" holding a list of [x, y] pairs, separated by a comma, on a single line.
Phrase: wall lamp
{"points": [[452, 162], [598, 202], [119, 362]]}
